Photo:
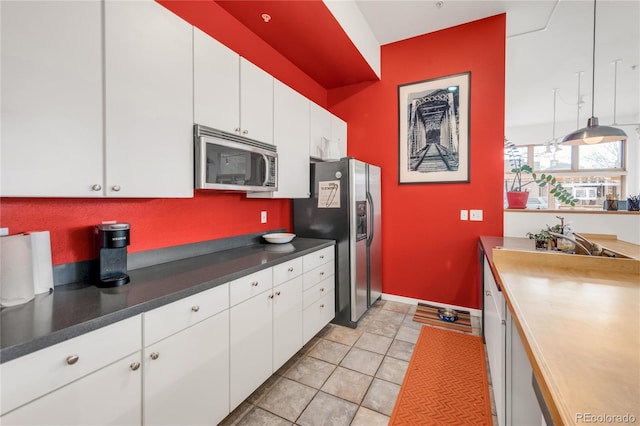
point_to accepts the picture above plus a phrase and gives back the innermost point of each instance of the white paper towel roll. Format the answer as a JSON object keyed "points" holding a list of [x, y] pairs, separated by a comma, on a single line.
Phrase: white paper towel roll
{"points": [[41, 258], [16, 270]]}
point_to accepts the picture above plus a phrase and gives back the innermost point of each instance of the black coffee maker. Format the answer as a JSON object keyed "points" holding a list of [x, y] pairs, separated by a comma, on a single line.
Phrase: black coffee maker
{"points": [[112, 240]]}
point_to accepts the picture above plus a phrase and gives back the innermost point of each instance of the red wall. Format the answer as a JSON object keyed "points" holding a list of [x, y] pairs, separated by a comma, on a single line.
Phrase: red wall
{"points": [[428, 253], [155, 223]]}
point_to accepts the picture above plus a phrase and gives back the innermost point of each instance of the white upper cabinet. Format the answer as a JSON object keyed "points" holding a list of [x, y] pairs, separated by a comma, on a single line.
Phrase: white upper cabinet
{"points": [[328, 135], [339, 137], [51, 99], [256, 102], [77, 123], [291, 136], [320, 130], [230, 93], [149, 103], [216, 84]]}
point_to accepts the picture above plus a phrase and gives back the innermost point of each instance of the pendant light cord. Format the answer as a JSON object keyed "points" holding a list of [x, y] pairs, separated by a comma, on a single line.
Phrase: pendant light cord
{"points": [[593, 64]]}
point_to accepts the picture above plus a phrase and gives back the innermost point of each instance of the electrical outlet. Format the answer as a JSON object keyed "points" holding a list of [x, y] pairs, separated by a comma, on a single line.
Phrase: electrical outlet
{"points": [[476, 215], [464, 214], [263, 217], [4, 231]]}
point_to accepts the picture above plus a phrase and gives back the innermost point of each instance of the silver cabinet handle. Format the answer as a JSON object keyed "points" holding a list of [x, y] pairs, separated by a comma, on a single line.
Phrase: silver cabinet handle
{"points": [[115, 188], [290, 269], [244, 132], [322, 289], [271, 296], [254, 284], [322, 306], [321, 273], [488, 293], [154, 355], [134, 366], [277, 293], [503, 322], [72, 359], [96, 187], [322, 256], [237, 130], [195, 308]]}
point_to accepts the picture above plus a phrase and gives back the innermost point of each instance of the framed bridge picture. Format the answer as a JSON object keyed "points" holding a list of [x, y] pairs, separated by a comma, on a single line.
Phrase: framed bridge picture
{"points": [[434, 130]]}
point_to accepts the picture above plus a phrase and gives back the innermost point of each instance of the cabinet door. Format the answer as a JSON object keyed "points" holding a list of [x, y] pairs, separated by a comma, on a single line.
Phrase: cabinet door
{"points": [[287, 321], [256, 102], [51, 99], [109, 396], [320, 130], [216, 84], [186, 376], [251, 343], [149, 101], [291, 136], [494, 332], [316, 316], [339, 135]]}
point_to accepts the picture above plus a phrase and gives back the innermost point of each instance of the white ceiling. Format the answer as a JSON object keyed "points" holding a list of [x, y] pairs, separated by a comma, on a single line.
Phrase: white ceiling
{"points": [[548, 43]]}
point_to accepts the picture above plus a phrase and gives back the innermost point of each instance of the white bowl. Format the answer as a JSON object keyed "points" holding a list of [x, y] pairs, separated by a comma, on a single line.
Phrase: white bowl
{"points": [[279, 238]]}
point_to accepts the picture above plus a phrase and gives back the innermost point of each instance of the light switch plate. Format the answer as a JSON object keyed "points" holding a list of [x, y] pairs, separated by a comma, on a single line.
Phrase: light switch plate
{"points": [[464, 214], [476, 215], [263, 217]]}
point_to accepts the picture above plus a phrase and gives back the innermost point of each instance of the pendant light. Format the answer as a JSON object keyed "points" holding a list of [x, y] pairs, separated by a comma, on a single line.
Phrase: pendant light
{"points": [[594, 133]]}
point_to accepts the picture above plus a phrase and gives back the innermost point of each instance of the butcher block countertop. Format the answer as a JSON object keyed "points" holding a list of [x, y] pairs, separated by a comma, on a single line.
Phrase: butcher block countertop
{"points": [[579, 320]]}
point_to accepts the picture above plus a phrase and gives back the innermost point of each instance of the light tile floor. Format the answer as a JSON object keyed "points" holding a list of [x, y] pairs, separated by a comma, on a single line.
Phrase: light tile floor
{"points": [[342, 376]]}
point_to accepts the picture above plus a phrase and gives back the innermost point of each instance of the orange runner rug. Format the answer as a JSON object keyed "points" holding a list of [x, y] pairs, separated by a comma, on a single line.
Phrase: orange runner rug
{"points": [[446, 382]]}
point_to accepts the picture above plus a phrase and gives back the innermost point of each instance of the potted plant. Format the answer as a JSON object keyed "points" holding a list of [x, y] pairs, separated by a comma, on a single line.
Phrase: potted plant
{"points": [[541, 238], [517, 197], [544, 240]]}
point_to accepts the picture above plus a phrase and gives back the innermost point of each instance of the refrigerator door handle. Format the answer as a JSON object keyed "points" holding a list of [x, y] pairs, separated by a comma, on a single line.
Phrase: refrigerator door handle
{"points": [[371, 218]]}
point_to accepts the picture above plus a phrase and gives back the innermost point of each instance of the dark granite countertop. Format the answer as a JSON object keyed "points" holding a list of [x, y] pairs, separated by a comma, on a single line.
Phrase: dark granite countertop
{"points": [[75, 309]]}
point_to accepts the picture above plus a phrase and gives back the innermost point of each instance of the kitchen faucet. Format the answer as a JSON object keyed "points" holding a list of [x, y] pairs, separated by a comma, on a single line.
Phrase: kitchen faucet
{"points": [[574, 241]]}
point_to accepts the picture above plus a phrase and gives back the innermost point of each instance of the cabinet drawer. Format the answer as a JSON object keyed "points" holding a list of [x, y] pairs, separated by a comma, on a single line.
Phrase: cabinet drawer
{"points": [[315, 259], [250, 285], [317, 291], [31, 376], [169, 319], [316, 316], [285, 271], [313, 277]]}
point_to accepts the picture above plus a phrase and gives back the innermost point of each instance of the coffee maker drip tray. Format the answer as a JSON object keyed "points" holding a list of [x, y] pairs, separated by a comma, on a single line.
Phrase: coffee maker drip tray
{"points": [[113, 281]]}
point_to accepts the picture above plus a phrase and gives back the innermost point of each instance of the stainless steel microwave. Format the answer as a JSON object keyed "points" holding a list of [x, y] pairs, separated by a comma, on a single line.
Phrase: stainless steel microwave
{"points": [[231, 162]]}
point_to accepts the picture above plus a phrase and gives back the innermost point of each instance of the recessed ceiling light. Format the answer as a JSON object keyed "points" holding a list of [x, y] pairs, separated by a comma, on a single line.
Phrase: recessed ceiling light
{"points": [[266, 17], [439, 4]]}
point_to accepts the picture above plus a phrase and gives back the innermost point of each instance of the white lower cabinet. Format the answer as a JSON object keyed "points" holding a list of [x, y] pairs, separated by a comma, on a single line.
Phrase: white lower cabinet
{"points": [[186, 376], [494, 334], [510, 369], [186, 372], [287, 321], [69, 383], [250, 345], [109, 396], [318, 291]]}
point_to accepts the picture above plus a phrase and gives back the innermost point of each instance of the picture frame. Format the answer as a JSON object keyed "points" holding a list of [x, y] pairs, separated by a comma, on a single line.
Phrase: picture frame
{"points": [[433, 134]]}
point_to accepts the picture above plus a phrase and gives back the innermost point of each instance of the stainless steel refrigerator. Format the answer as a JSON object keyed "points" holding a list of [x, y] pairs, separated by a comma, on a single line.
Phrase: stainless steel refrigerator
{"points": [[345, 205]]}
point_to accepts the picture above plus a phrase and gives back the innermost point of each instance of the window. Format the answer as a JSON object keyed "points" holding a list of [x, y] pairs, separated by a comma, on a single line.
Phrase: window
{"points": [[548, 158], [601, 156], [590, 172]]}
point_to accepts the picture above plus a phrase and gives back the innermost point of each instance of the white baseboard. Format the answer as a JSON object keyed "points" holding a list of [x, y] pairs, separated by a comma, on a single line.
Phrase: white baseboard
{"points": [[412, 301]]}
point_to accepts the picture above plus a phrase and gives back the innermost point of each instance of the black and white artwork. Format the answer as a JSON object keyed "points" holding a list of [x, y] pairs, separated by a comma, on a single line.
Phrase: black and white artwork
{"points": [[434, 130]]}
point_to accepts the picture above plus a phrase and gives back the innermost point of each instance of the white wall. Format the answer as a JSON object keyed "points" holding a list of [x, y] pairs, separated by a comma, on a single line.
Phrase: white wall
{"points": [[356, 27], [625, 226]]}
